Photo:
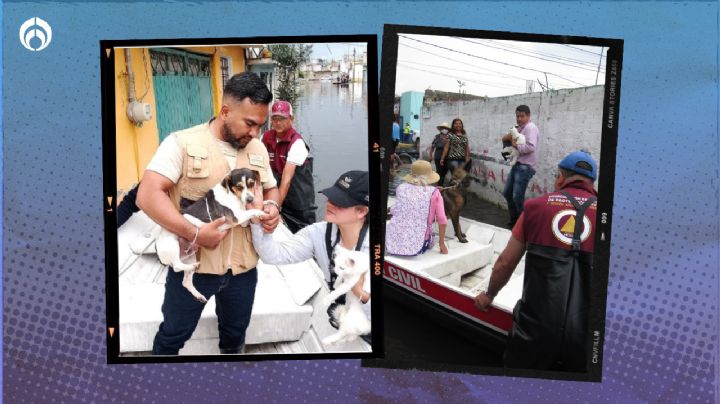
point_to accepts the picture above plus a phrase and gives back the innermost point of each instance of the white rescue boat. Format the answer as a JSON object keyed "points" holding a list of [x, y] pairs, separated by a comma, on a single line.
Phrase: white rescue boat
{"points": [[287, 316], [450, 281]]}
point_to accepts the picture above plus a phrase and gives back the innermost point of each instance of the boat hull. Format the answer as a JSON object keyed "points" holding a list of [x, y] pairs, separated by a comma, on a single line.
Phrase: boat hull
{"points": [[446, 298]]}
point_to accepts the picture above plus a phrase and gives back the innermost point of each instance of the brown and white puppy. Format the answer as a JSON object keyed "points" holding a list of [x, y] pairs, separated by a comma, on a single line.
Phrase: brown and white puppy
{"points": [[228, 199], [455, 196]]}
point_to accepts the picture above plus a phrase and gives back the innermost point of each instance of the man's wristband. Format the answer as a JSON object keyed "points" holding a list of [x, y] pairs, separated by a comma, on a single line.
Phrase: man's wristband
{"points": [[488, 294], [273, 203]]}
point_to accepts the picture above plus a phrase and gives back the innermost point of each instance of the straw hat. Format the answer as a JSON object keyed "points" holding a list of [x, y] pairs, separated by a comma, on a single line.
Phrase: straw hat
{"points": [[421, 174], [444, 125]]}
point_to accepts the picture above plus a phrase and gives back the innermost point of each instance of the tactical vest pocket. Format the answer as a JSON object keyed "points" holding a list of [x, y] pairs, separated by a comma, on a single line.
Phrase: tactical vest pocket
{"points": [[197, 161]]}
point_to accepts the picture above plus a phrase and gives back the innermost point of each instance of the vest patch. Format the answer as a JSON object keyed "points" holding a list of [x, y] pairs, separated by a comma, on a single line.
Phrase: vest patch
{"points": [[256, 160], [563, 226]]}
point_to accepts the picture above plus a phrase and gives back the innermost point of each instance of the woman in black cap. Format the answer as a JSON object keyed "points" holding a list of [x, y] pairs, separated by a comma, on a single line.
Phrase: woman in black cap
{"points": [[345, 226]]}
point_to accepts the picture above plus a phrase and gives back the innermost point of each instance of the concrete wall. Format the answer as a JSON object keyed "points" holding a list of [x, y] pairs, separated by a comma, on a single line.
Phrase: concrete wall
{"points": [[568, 120]]}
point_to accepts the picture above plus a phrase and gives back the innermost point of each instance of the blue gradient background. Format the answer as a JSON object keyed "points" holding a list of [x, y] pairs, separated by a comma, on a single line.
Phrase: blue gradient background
{"points": [[662, 315]]}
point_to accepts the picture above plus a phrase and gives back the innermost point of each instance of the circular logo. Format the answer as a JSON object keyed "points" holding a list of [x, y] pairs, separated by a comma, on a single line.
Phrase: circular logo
{"points": [[563, 226], [35, 34]]}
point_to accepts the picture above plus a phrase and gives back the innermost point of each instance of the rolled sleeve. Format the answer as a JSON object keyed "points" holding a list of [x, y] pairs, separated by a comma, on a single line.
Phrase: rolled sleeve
{"points": [[271, 182], [297, 153], [167, 160]]}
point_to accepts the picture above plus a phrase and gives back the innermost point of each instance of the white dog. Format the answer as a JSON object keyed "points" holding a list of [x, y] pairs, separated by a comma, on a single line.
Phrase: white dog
{"points": [[509, 152], [228, 199], [349, 267]]}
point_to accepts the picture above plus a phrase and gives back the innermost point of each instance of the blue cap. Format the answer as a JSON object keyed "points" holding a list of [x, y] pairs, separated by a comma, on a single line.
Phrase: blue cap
{"points": [[580, 162]]}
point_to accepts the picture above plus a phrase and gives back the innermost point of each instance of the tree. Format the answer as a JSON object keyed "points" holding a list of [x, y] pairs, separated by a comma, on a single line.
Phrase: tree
{"points": [[288, 59]]}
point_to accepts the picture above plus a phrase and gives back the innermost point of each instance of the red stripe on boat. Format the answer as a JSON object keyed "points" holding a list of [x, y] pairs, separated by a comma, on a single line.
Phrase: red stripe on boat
{"points": [[494, 318]]}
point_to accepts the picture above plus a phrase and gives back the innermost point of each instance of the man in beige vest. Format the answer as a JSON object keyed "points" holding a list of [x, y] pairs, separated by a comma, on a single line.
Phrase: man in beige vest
{"points": [[185, 166]]}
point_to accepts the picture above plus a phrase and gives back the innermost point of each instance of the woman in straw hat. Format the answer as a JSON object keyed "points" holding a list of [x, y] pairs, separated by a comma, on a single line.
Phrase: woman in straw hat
{"points": [[417, 205], [436, 150]]}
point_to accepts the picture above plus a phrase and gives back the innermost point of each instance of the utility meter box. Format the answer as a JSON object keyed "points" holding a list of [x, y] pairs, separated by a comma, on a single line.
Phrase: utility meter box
{"points": [[139, 112]]}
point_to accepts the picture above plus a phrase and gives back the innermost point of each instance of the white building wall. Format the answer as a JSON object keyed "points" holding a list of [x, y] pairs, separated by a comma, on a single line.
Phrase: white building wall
{"points": [[357, 73], [568, 120]]}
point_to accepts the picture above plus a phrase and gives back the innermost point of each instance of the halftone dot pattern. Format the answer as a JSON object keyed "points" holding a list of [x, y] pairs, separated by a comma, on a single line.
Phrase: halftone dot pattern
{"points": [[661, 330]]}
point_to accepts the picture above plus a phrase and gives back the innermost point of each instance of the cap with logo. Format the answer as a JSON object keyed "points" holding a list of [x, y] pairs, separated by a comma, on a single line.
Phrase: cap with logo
{"points": [[349, 190], [580, 162], [281, 108]]}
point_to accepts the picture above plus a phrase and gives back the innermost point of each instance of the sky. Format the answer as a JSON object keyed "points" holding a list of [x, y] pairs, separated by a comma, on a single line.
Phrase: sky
{"points": [[336, 50], [493, 68]]}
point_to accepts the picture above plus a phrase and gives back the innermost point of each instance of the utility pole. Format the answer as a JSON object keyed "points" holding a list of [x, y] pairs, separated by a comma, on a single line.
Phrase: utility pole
{"points": [[352, 71], [599, 63], [461, 84]]}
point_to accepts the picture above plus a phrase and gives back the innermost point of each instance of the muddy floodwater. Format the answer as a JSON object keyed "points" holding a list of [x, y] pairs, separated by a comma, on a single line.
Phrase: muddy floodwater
{"points": [[334, 121]]}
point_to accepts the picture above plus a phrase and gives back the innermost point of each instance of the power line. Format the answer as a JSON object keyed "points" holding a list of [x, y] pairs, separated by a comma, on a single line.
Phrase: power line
{"points": [[582, 50], [532, 55], [457, 70], [509, 45], [505, 87], [493, 61], [408, 65], [461, 62]]}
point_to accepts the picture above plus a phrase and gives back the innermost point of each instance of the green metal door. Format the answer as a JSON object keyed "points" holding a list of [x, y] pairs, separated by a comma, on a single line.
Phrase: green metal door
{"points": [[183, 89]]}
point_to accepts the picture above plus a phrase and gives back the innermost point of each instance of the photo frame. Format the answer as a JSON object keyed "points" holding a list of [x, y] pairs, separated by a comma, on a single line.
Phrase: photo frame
{"points": [[294, 318], [438, 291]]}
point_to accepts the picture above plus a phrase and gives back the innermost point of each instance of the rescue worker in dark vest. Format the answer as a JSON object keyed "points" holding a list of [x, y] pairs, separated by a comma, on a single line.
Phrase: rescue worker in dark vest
{"points": [[550, 321], [292, 167]]}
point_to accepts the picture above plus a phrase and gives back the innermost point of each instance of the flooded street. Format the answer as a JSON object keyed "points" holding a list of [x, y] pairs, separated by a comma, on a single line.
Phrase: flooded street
{"points": [[333, 119]]}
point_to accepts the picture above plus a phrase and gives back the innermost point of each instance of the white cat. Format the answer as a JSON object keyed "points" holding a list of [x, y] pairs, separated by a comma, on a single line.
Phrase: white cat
{"points": [[511, 152], [349, 267]]}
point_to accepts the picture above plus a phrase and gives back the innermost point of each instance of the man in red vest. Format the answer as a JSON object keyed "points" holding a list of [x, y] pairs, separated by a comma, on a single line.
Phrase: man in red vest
{"points": [[557, 230], [292, 167]]}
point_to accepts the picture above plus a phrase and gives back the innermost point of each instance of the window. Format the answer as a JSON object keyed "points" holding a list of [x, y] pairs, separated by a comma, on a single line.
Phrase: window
{"points": [[225, 68], [268, 79]]}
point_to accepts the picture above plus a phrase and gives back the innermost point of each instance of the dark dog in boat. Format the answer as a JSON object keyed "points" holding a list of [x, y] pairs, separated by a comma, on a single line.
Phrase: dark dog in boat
{"points": [[454, 198], [227, 199]]}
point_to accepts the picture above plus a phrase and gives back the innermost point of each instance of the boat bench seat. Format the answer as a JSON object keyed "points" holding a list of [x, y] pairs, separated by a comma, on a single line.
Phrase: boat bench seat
{"points": [[466, 257], [280, 313]]}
